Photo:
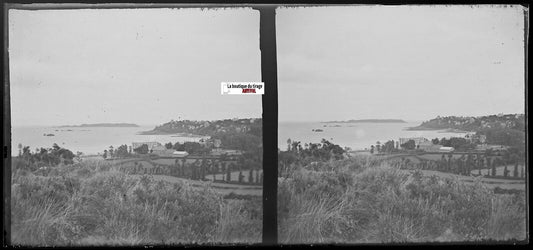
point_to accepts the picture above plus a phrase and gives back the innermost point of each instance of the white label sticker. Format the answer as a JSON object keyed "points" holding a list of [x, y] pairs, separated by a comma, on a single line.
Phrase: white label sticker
{"points": [[242, 88]]}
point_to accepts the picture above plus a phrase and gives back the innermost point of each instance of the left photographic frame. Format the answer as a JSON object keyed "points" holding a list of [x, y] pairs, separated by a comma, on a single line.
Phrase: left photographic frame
{"points": [[119, 133]]}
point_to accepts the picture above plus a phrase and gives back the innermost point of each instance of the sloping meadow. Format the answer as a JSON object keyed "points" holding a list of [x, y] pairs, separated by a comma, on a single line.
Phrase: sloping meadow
{"points": [[91, 204], [359, 200]]}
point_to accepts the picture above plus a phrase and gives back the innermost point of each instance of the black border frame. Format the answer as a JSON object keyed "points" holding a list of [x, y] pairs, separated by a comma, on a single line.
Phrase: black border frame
{"points": [[267, 11]]}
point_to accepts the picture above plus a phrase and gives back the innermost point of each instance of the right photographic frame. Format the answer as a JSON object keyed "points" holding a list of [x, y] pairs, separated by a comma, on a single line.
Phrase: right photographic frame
{"points": [[402, 124]]}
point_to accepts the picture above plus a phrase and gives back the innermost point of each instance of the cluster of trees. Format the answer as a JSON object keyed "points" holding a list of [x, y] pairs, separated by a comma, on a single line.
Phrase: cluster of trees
{"points": [[409, 145], [143, 149], [200, 168], [391, 146], [388, 147], [47, 156], [247, 142], [466, 163], [309, 152], [193, 148], [504, 136], [122, 151], [324, 150], [458, 143]]}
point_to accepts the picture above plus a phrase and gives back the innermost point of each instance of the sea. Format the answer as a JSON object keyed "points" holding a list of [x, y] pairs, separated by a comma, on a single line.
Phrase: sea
{"points": [[88, 140], [94, 140], [356, 136]]}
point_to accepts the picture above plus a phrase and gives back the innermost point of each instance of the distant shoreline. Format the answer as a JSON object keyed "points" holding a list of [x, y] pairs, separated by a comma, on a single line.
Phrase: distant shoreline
{"points": [[117, 125], [444, 130], [370, 121], [173, 134]]}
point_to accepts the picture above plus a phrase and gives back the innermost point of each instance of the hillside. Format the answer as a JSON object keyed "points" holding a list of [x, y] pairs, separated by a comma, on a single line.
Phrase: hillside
{"points": [[474, 124], [210, 128], [508, 129]]}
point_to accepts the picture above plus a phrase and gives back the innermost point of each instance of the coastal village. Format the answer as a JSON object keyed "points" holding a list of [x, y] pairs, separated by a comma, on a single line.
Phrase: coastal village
{"points": [[427, 145], [228, 151], [491, 147]]}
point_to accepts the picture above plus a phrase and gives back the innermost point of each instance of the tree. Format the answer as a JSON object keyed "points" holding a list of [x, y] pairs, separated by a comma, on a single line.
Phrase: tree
{"points": [[409, 145], [241, 177], [169, 145], [493, 167], [449, 162], [388, 147], [20, 149], [251, 176], [78, 156], [105, 154], [296, 146], [371, 149], [515, 171], [122, 151], [435, 141], [228, 173], [143, 149], [505, 171], [468, 165]]}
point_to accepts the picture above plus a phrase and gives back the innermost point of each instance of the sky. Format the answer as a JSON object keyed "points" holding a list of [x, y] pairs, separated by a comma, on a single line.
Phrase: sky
{"points": [[148, 66], [399, 62], [143, 66]]}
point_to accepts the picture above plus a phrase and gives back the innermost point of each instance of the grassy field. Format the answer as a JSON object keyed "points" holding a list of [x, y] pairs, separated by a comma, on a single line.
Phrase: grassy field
{"points": [[471, 180], [221, 188], [90, 203], [360, 200]]}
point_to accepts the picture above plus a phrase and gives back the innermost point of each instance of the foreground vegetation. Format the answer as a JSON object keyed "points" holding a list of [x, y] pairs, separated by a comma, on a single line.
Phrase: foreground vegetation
{"points": [[365, 200], [90, 203]]}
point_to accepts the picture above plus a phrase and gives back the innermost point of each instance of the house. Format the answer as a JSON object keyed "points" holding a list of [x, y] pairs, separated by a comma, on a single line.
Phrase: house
{"points": [[229, 152], [475, 138], [179, 154], [446, 149]]}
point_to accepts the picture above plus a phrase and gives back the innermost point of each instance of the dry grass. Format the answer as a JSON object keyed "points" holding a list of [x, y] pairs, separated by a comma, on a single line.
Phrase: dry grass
{"points": [[92, 204], [359, 202]]}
